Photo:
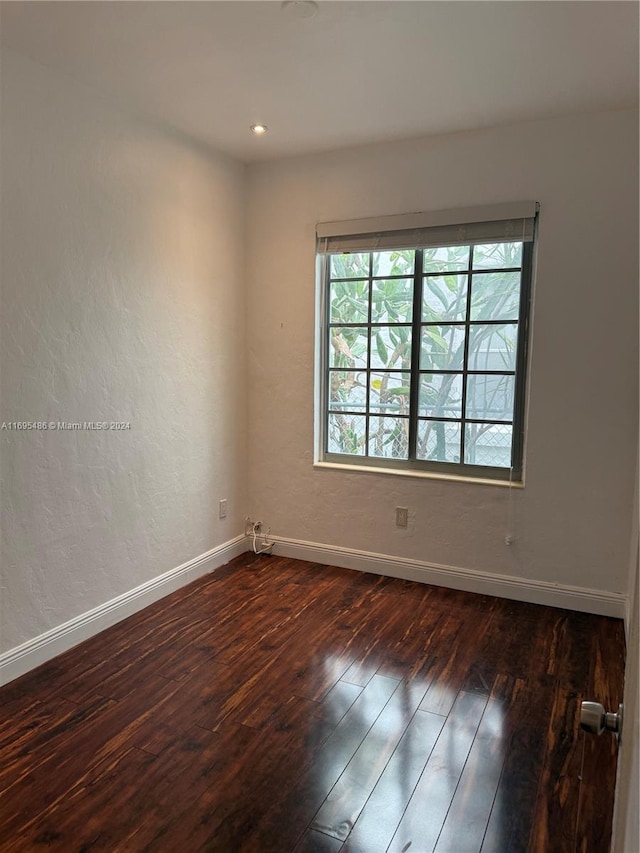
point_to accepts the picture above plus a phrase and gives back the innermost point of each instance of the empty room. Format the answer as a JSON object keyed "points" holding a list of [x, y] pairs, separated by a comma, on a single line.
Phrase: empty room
{"points": [[319, 426]]}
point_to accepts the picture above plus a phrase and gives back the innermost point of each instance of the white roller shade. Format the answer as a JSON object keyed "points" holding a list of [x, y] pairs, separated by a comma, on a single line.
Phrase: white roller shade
{"points": [[495, 224]]}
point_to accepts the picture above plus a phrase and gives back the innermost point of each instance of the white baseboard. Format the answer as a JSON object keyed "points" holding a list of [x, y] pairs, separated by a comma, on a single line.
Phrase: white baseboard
{"points": [[21, 659], [586, 600]]}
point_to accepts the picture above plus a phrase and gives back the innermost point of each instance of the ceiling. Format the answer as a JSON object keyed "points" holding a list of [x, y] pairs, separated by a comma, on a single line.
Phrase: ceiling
{"points": [[356, 72]]}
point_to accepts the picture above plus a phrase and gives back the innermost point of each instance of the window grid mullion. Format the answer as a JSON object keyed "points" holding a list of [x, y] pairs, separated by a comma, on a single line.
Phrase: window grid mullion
{"points": [[367, 415], [374, 325], [461, 323], [474, 372], [416, 346], [465, 361], [466, 271], [378, 278]]}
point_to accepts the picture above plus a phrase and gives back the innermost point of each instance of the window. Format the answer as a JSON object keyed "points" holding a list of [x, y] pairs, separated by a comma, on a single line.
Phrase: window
{"points": [[423, 341]]}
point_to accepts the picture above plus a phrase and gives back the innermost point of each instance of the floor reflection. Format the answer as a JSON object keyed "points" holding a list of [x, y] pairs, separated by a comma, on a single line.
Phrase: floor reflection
{"points": [[397, 774]]}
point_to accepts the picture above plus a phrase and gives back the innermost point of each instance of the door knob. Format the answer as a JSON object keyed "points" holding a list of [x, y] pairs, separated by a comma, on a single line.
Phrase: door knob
{"points": [[594, 719]]}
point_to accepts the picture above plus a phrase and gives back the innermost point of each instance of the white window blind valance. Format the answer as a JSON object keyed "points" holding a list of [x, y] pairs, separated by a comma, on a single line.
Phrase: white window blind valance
{"points": [[500, 223]]}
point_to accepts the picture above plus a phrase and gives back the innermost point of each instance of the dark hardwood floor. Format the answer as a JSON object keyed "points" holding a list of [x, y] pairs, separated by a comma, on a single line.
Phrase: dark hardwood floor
{"points": [[278, 705]]}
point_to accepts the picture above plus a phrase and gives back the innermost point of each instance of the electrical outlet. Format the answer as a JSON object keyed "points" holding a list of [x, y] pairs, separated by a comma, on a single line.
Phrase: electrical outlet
{"points": [[222, 508], [402, 516]]}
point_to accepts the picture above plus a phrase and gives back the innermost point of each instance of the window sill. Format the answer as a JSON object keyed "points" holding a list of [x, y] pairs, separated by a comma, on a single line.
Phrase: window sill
{"points": [[421, 475]]}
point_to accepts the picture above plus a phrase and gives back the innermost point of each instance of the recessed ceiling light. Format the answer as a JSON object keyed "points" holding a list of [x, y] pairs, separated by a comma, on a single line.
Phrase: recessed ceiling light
{"points": [[259, 129], [299, 8]]}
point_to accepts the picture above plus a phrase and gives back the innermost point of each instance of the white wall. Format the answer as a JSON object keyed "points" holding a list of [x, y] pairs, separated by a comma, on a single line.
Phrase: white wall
{"points": [[122, 300], [572, 518]]}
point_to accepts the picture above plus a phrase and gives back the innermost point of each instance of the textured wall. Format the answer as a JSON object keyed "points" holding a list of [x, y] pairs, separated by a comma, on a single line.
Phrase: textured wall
{"points": [[122, 300], [572, 518]]}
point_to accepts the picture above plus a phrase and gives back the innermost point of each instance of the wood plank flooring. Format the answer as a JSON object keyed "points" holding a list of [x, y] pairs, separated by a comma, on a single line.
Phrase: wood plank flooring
{"points": [[278, 705]]}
